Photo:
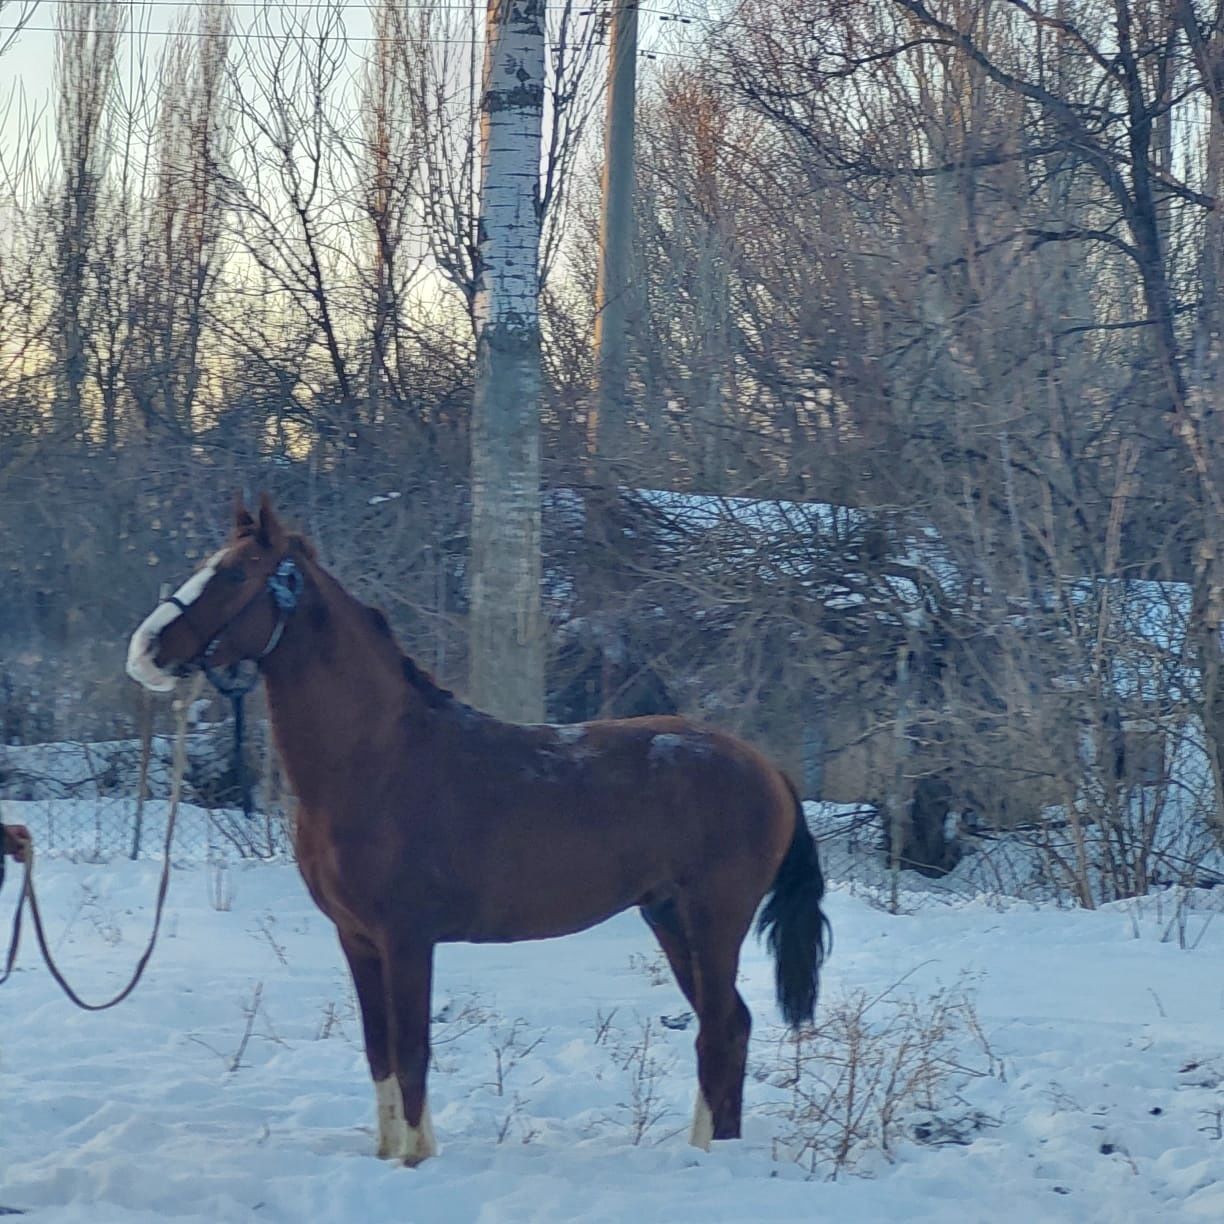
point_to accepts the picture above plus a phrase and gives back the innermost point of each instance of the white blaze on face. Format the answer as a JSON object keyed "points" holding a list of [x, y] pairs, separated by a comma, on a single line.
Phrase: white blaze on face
{"points": [[143, 646]]}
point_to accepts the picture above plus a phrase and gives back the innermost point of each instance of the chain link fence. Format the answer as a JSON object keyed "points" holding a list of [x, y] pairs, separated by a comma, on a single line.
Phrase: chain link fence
{"points": [[106, 800]]}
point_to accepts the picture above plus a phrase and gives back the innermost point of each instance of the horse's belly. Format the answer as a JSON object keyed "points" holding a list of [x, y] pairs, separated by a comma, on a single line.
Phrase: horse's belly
{"points": [[535, 905], [523, 927]]}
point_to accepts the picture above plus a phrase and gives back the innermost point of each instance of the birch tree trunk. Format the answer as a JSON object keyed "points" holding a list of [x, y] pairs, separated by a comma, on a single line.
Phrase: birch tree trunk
{"points": [[506, 638]]}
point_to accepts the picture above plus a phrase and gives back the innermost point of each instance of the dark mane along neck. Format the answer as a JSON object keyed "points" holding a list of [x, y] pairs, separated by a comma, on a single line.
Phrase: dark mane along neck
{"points": [[340, 689], [419, 680], [373, 652]]}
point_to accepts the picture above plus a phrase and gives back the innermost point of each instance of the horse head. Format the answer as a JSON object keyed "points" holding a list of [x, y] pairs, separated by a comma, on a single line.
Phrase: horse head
{"points": [[232, 609]]}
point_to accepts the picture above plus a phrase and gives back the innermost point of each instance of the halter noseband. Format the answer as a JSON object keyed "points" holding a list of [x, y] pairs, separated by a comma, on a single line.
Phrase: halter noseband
{"points": [[285, 585]]}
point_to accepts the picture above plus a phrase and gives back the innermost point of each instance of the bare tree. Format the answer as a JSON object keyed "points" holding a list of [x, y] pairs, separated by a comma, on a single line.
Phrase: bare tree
{"points": [[392, 155], [86, 46], [15, 15], [180, 261], [441, 45], [290, 190]]}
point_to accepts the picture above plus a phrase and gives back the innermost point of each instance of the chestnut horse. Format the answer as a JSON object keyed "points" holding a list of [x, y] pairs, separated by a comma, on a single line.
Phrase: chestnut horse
{"points": [[423, 821]]}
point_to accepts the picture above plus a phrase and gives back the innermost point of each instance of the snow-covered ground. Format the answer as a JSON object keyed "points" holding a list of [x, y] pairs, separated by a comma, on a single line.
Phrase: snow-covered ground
{"points": [[1066, 1066]]}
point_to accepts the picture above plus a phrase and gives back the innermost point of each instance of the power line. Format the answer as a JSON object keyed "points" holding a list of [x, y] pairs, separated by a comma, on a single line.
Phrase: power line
{"points": [[268, 5], [419, 6], [236, 34], [241, 35], [268, 8], [265, 9]]}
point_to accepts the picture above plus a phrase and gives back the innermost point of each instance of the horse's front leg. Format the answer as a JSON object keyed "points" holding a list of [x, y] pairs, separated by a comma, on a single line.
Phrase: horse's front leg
{"points": [[365, 964], [408, 973]]}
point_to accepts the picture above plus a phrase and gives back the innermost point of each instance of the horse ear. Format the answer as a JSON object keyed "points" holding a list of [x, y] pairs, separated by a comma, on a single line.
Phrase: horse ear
{"points": [[271, 533], [243, 521]]}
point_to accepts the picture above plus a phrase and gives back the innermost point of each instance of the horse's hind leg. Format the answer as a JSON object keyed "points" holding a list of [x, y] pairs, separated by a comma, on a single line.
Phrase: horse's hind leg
{"points": [[663, 918], [703, 948], [366, 968], [725, 1023]]}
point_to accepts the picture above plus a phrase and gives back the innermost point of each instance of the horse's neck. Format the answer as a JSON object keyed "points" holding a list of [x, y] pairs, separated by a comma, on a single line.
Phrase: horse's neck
{"points": [[334, 688]]}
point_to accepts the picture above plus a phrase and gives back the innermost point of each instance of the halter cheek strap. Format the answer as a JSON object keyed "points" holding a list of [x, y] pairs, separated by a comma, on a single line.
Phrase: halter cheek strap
{"points": [[285, 585]]}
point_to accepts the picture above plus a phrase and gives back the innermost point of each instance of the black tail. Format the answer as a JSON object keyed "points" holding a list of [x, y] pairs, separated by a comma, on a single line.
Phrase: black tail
{"points": [[797, 932]]}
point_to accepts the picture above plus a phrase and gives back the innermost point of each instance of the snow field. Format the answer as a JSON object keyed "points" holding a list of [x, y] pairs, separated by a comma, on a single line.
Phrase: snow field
{"points": [[1075, 1073]]}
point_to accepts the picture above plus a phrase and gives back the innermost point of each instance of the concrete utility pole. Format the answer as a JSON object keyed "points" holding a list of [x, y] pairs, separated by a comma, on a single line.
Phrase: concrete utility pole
{"points": [[606, 434]]}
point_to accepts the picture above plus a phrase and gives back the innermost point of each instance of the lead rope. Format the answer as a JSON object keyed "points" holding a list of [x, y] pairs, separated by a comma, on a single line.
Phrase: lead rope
{"points": [[240, 778], [233, 686], [182, 707]]}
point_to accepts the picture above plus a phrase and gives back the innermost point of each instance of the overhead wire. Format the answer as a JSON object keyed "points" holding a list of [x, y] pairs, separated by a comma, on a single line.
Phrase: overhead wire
{"points": [[289, 7], [241, 34]]}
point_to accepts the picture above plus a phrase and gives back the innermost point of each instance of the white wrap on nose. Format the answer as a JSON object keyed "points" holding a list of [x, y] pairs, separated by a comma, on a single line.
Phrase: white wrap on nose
{"points": [[143, 646]]}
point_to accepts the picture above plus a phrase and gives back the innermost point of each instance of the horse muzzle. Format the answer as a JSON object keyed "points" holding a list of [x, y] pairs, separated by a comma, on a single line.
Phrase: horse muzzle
{"points": [[142, 664]]}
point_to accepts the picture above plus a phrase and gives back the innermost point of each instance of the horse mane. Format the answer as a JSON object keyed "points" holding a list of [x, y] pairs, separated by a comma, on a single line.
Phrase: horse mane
{"points": [[434, 695], [418, 679], [426, 687]]}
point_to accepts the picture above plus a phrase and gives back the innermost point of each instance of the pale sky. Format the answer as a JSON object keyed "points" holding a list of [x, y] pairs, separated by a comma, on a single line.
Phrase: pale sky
{"points": [[26, 68]]}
